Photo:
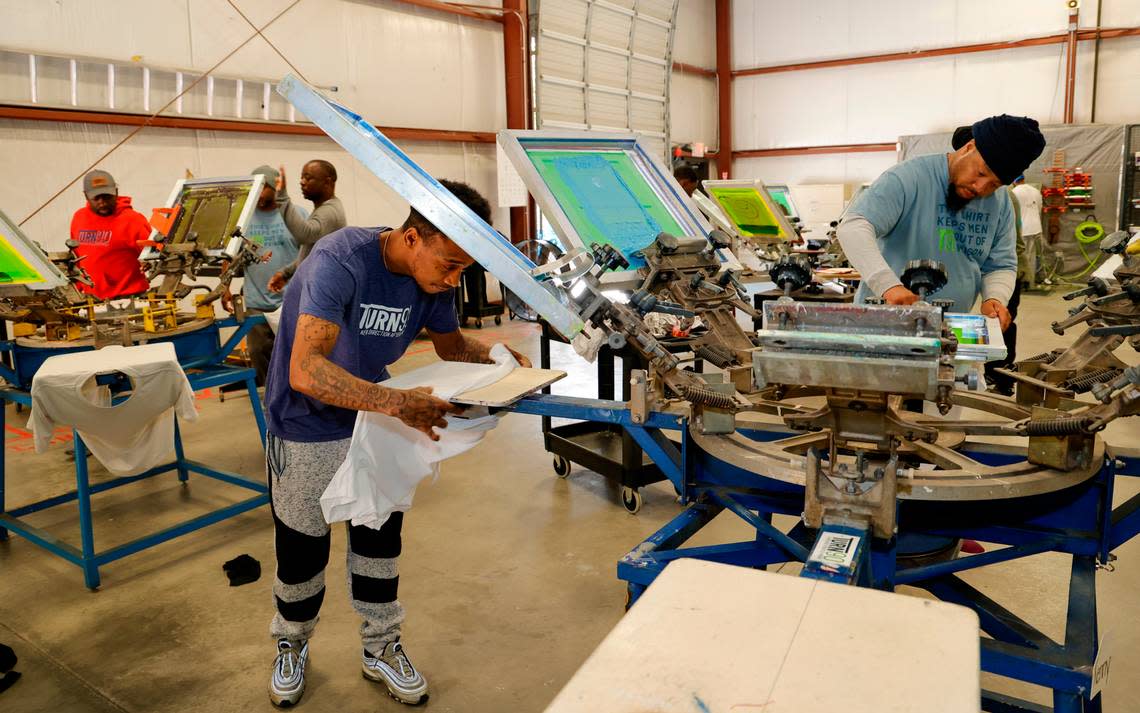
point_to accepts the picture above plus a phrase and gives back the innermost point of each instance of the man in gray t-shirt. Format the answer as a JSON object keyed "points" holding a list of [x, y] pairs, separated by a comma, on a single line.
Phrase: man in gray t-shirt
{"points": [[318, 184]]}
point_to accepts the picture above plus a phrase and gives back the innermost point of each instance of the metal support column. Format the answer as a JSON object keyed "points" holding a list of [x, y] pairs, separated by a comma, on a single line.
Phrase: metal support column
{"points": [[183, 474], [83, 499], [3, 464], [724, 86]]}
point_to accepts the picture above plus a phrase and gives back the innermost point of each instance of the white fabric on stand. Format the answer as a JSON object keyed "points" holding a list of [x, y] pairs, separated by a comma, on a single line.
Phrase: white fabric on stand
{"points": [[129, 437], [387, 458]]}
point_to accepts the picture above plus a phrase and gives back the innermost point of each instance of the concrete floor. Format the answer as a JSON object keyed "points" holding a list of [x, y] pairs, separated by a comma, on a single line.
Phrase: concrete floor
{"points": [[508, 576]]}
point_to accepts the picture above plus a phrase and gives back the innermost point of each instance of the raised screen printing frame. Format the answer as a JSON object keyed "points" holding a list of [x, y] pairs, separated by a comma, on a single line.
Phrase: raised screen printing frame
{"points": [[33, 256], [784, 224], [785, 190], [395, 169], [258, 182], [713, 212], [517, 144]]}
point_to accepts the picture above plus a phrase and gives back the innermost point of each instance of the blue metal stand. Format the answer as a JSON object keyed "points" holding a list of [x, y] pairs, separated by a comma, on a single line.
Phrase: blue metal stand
{"points": [[204, 369], [1079, 521]]}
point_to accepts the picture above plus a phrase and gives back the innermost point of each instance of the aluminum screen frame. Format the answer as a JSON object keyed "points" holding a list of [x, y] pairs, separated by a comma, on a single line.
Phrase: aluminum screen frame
{"points": [[782, 221], [517, 145], [31, 255], [395, 169], [783, 189], [257, 182]]}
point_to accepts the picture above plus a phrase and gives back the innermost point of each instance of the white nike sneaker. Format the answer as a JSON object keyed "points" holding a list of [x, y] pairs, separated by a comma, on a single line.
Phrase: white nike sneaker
{"points": [[287, 684], [394, 669]]}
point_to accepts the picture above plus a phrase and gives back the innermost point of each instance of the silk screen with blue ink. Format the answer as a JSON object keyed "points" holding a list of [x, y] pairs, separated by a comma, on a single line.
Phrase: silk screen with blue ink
{"points": [[606, 198]]}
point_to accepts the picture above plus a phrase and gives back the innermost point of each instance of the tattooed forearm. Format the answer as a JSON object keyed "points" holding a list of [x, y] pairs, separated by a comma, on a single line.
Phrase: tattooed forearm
{"points": [[472, 350], [330, 384], [455, 346], [311, 372]]}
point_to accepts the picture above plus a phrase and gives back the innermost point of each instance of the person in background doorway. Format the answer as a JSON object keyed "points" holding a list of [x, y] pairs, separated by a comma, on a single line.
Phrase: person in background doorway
{"points": [[318, 184], [1029, 253], [267, 229], [688, 177], [109, 234]]}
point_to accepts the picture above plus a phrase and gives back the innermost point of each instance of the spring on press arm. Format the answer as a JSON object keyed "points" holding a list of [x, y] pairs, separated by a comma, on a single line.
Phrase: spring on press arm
{"points": [[1081, 384], [717, 356], [1064, 426], [707, 397]]}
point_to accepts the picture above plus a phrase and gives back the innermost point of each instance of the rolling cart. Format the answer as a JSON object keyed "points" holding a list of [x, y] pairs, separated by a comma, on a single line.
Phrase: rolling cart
{"points": [[471, 300], [607, 449]]}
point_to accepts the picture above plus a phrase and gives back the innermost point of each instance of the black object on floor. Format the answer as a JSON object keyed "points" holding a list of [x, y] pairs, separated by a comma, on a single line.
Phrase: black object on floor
{"points": [[8, 679], [242, 569], [7, 663]]}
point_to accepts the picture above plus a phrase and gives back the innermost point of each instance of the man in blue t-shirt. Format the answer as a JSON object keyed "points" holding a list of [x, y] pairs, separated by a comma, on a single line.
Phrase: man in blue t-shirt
{"points": [[266, 228], [351, 309], [946, 207]]}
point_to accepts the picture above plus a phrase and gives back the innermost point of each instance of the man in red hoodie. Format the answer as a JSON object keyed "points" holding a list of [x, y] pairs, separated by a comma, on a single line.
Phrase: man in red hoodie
{"points": [[108, 232]]}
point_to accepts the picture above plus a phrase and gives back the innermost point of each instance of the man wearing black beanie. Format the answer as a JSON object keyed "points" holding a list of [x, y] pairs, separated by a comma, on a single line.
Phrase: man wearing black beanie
{"points": [[946, 207]]}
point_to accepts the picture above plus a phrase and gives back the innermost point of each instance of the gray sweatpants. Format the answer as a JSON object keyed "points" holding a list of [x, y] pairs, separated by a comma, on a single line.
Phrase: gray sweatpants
{"points": [[298, 473]]}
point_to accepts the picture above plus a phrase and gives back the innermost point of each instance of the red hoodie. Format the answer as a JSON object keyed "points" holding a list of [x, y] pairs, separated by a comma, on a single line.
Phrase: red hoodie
{"points": [[110, 249]]}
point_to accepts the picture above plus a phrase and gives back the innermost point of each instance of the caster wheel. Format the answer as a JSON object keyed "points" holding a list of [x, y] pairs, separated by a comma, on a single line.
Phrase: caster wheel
{"points": [[478, 324], [561, 467], [631, 500], [498, 319]]}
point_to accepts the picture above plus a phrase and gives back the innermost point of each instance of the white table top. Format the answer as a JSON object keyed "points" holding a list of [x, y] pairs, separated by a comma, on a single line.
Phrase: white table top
{"points": [[714, 638]]}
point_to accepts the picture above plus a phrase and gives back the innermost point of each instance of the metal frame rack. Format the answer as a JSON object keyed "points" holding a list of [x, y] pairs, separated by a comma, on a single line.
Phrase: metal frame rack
{"points": [[202, 355]]}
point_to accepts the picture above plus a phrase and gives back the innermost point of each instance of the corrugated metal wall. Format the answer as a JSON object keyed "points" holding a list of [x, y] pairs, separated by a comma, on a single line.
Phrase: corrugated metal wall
{"points": [[604, 64]]}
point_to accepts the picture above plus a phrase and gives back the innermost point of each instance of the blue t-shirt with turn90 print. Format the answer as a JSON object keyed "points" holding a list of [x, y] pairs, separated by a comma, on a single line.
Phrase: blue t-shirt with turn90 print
{"points": [[344, 281], [907, 207]]}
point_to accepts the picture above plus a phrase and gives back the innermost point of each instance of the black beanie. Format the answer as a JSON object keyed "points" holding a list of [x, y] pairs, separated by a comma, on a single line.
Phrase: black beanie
{"points": [[961, 137], [1008, 144]]}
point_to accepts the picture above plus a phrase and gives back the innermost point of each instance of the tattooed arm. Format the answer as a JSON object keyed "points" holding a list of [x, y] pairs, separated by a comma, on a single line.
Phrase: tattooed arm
{"points": [[456, 346], [312, 374]]}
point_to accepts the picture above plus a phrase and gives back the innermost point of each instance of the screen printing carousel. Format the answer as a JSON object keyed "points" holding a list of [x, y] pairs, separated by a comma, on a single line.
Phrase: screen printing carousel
{"points": [[198, 234], [863, 430]]}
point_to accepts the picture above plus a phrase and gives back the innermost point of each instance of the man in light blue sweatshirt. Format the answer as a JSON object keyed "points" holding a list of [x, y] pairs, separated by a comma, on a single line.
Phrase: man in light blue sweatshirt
{"points": [[267, 228], [946, 207]]}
